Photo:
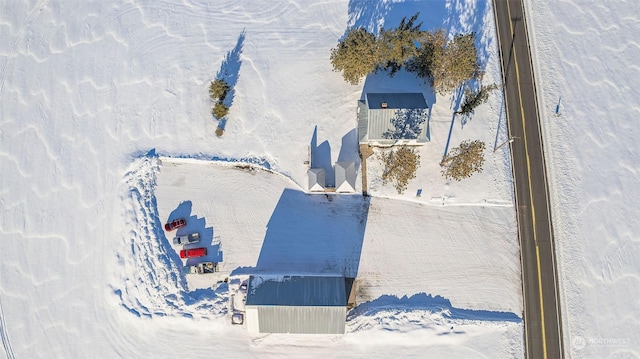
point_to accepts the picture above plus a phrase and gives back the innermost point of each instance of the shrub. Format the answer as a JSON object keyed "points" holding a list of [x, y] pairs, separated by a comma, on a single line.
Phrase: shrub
{"points": [[219, 110], [464, 160], [400, 167], [218, 90]]}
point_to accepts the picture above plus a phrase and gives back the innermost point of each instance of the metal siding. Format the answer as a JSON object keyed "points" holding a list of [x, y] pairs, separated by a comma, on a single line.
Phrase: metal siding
{"points": [[378, 120], [302, 320], [362, 121], [396, 100], [379, 123]]}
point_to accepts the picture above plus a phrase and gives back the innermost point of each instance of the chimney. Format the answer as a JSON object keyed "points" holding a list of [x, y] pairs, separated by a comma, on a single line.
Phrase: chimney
{"points": [[384, 105]]}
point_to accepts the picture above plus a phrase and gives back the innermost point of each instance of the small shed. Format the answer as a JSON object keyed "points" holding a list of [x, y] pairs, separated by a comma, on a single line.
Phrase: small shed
{"points": [[316, 179], [345, 177], [296, 304]]}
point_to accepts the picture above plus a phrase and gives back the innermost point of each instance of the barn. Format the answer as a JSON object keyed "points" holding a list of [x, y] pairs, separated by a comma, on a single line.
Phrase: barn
{"points": [[296, 304]]}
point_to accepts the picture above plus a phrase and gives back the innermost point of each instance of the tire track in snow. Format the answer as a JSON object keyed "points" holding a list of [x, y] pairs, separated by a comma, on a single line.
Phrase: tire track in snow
{"points": [[5, 336], [33, 14], [149, 282]]}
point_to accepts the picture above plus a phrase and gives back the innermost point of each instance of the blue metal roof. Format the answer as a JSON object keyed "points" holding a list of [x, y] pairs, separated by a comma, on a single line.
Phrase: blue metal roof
{"points": [[396, 101], [296, 291]]}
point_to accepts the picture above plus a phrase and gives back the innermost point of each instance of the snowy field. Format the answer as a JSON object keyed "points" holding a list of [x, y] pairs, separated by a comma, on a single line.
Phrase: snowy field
{"points": [[587, 70], [106, 132]]}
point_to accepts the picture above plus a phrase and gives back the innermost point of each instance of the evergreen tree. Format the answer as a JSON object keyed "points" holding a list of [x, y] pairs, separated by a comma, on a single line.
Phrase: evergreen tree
{"points": [[219, 110], [429, 54], [473, 99], [460, 63], [464, 160], [356, 55], [445, 64], [218, 90], [398, 46]]}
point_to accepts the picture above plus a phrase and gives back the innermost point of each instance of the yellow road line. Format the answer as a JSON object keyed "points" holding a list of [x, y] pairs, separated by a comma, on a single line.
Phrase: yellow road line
{"points": [[533, 212]]}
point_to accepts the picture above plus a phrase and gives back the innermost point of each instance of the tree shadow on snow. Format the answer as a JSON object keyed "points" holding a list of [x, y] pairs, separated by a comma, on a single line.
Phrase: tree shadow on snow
{"points": [[313, 234], [373, 15], [427, 302], [464, 16], [230, 69]]}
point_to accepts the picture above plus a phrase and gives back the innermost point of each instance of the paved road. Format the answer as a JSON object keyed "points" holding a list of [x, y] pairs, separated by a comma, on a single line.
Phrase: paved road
{"points": [[543, 328]]}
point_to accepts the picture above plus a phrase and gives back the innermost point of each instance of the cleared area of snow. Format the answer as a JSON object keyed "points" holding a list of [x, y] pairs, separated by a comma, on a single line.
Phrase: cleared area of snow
{"points": [[586, 56], [89, 89]]}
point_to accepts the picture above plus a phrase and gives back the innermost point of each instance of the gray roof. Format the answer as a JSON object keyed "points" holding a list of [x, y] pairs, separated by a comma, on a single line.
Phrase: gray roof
{"points": [[374, 120], [296, 291], [316, 179], [396, 101], [345, 176]]}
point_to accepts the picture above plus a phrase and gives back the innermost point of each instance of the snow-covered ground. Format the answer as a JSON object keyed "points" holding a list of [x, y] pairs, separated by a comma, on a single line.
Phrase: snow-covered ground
{"points": [[586, 55], [106, 132]]}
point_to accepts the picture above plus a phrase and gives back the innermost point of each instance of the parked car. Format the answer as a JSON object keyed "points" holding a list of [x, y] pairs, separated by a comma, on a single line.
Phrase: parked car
{"points": [[186, 239], [193, 252], [201, 268], [175, 224]]}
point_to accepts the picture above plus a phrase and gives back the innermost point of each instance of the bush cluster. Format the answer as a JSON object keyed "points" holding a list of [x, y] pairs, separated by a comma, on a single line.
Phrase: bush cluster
{"points": [[218, 92]]}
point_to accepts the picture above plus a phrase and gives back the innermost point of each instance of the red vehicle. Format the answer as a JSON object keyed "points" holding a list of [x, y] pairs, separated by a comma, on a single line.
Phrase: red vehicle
{"points": [[193, 252], [175, 224]]}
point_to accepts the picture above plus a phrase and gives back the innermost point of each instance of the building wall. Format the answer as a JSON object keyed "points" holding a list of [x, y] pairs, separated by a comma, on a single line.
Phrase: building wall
{"points": [[251, 319], [296, 319]]}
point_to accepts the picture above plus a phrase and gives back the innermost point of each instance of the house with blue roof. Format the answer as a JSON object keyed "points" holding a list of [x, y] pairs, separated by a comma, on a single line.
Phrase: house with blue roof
{"points": [[387, 119]]}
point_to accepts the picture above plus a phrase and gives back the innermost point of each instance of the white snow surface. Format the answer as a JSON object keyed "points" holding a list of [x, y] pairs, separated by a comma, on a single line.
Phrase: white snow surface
{"points": [[586, 63], [106, 133]]}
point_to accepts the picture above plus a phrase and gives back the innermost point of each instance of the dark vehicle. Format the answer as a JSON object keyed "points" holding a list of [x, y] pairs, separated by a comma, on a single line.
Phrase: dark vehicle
{"points": [[175, 224], [186, 239], [193, 252]]}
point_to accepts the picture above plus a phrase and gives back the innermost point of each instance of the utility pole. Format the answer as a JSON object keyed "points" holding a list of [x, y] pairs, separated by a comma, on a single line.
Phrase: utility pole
{"points": [[504, 143]]}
